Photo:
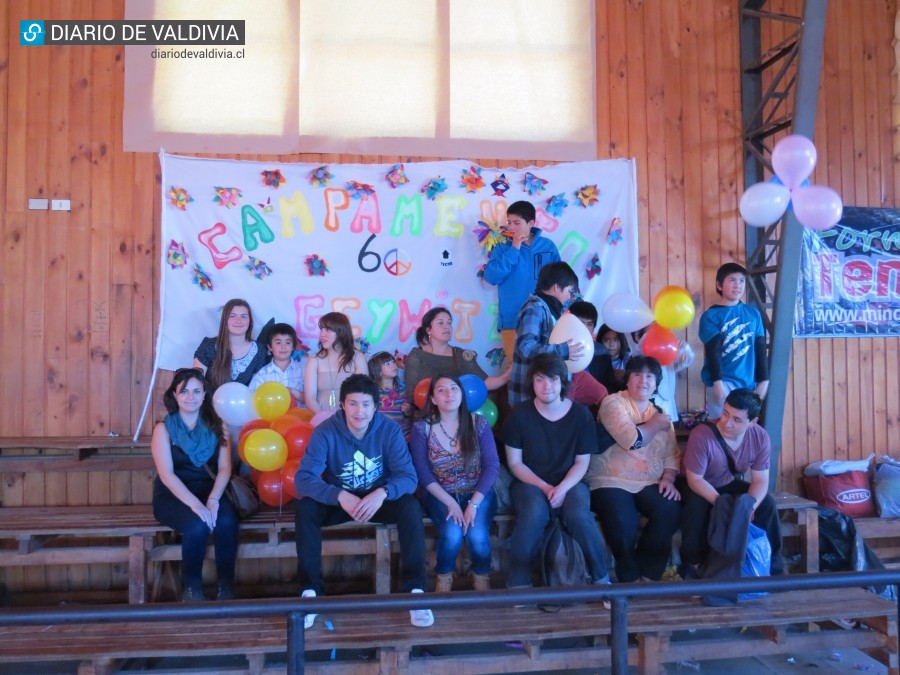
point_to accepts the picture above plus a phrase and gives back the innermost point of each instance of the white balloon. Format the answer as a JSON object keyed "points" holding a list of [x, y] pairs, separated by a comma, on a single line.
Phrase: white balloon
{"points": [[764, 203], [233, 402], [624, 312], [569, 327]]}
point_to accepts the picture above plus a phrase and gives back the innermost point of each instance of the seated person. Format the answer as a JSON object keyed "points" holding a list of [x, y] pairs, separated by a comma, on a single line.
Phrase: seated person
{"points": [[636, 476], [283, 368], [549, 441], [616, 346], [233, 355], [357, 467], [391, 392], [708, 475]]}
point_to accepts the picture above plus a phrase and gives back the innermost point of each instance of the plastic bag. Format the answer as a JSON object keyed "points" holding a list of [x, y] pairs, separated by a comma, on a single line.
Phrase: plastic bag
{"points": [[832, 467], [757, 560], [886, 486], [849, 492]]}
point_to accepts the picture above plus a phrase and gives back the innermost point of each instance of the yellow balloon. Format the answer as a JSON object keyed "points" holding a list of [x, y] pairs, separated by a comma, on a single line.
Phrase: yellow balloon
{"points": [[271, 399], [265, 450], [673, 307]]}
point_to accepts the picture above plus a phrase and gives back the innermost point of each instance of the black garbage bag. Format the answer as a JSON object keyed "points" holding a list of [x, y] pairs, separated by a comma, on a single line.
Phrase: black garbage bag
{"points": [[842, 549]]}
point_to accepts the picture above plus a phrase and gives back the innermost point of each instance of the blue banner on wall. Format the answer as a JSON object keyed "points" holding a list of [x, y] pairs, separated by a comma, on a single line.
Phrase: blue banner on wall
{"points": [[850, 277]]}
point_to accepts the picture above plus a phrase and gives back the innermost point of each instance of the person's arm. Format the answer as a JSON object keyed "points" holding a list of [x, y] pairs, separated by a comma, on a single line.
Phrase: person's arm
{"points": [[308, 479], [399, 468], [518, 469], [494, 382], [205, 354], [161, 451], [412, 372], [701, 487], [713, 355], [573, 476], [359, 363], [311, 386], [418, 449], [501, 261], [223, 475], [685, 357], [616, 419], [759, 486], [490, 461], [528, 332]]}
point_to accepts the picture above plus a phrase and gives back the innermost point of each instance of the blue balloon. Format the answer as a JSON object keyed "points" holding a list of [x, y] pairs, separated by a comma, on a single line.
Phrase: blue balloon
{"points": [[474, 389]]}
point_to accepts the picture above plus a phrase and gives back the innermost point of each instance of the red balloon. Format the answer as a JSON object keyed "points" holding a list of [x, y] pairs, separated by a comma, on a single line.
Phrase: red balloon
{"points": [[302, 414], [288, 471], [284, 423], [661, 344], [252, 425], [271, 492], [297, 438], [420, 393]]}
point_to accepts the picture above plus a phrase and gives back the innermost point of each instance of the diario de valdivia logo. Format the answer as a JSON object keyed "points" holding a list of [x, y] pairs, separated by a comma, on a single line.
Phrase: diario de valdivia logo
{"points": [[226, 32], [31, 32]]}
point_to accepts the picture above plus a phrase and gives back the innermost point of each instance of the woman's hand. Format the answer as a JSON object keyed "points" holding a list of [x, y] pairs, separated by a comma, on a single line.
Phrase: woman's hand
{"points": [[212, 505], [668, 490], [454, 513], [469, 516], [204, 514]]}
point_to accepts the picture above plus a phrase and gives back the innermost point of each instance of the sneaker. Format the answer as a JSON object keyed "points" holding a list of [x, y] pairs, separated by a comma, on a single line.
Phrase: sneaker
{"points": [[225, 592], [420, 618], [604, 582], [192, 594], [309, 619]]}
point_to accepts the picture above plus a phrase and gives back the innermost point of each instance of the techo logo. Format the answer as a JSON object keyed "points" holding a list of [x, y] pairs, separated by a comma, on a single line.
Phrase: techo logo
{"points": [[31, 32]]}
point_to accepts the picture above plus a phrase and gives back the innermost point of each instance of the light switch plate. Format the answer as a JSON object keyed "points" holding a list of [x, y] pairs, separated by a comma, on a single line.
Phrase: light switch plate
{"points": [[38, 204], [61, 205]]}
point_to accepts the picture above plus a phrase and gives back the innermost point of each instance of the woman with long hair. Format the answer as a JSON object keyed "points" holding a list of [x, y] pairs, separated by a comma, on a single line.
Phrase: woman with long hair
{"points": [[193, 466], [336, 360], [456, 459], [233, 355]]}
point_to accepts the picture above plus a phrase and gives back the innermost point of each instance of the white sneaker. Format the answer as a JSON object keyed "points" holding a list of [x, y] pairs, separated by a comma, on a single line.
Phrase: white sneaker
{"points": [[309, 619], [420, 618]]}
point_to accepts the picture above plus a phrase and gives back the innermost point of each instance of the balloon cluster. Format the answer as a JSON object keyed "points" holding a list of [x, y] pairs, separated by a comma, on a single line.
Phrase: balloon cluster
{"points": [[818, 207], [474, 390], [673, 308], [273, 436]]}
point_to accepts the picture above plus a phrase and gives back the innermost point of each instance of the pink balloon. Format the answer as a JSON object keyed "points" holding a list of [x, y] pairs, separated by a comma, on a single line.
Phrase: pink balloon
{"points": [[764, 203], [794, 158], [321, 416], [818, 207]]}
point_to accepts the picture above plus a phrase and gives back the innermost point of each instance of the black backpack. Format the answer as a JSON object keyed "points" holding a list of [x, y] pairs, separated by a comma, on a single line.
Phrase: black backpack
{"points": [[562, 560]]}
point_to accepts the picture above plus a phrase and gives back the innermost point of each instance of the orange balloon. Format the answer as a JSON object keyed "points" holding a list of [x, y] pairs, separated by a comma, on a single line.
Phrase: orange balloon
{"points": [[661, 344], [284, 423], [288, 471], [241, 443], [420, 393], [303, 414], [252, 425], [297, 438], [270, 489]]}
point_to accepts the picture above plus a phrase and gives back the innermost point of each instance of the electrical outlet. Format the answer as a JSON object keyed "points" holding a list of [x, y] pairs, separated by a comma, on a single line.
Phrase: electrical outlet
{"points": [[38, 204], [61, 205]]}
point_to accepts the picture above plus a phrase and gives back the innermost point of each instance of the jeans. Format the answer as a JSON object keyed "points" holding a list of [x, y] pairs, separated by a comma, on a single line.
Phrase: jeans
{"points": [[450, 535], [620, 511], [172, 512], [310, 516], [532, 516]]}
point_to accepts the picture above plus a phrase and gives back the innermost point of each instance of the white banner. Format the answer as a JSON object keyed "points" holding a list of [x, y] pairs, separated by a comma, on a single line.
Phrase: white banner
{"points": [[381, 243]]}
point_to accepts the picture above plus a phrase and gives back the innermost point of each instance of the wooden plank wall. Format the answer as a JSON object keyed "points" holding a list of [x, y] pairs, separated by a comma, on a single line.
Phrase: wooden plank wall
{"points": [[78, 292]]}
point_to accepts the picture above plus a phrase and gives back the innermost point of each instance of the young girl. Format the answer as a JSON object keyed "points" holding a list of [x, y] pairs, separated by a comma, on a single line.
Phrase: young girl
{"points": [[336, 360], [617, 347], [233, 355], [383, 370], [456, 459]]}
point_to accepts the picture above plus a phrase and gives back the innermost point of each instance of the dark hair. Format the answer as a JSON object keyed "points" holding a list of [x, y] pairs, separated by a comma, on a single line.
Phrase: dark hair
{"points": [[725, 271], [282, 329], [584, 310], [556, 274], [623, 343], [522, 208], [746, 400], [340, 324], [360, 384], [468, 441], [640, 363], [207, 412], [427, 320], [375, 364], [220, 368], [549, 365]]}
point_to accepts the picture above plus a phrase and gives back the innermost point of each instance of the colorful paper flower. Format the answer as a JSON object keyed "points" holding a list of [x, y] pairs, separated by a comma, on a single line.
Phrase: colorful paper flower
{"points": [[227, 196], [362, 345], [273, 178], [176, 257], [301, 350], [316, 266], [359, 190], [593, 267], [320, 176], [496, 356], [614, 235], [258, 268], [532, 184], [471, 179], [500, 185], [267, 206], [179, 198], [434, 187], [480, 273], [396, 176], [587, 195], [489, 235], [400, 358], [557, 204], [202, 279]]}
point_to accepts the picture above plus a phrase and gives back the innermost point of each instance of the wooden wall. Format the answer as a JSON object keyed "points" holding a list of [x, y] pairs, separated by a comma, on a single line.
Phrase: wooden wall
{"points": [[78, 291]]}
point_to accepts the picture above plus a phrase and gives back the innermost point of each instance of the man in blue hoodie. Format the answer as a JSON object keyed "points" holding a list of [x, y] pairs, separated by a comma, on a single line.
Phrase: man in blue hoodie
{"points": [[357, 467]]}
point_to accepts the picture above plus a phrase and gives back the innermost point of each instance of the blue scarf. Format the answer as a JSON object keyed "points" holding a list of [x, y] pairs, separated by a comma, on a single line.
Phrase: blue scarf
{"points": [[198, 443]]}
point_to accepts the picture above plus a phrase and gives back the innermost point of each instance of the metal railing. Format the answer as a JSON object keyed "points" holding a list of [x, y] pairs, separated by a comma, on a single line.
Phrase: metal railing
{"points": [[296, 608]]}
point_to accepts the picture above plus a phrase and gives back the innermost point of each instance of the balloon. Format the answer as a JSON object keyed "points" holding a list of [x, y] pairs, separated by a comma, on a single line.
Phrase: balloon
{"points": [[817, 206], [241, 443], [270, 488], [673, 307], [252, 425], [265, 450], [764, 203], [420, 393], [488, 411], [297, 438], [624, 312], [284, 423], [321, 416], [288, 471], [793, 158], [661, 344], [271, 399], [233, 402], [569, 327], [474, 389], [302, 414]]}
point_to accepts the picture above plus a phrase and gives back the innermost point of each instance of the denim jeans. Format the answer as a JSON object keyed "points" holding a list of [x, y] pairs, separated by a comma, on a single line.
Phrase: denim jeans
{"points": [[310, 516], [450, 535], [532, 516]]}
